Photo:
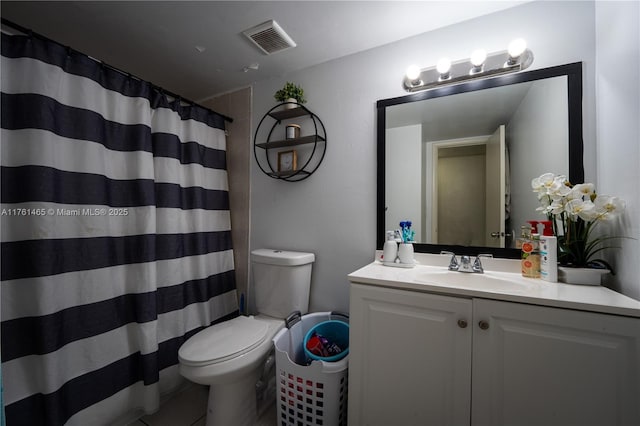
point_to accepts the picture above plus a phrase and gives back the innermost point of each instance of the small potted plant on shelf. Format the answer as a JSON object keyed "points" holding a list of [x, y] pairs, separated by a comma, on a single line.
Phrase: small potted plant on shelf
{"points": [[291, 94]]}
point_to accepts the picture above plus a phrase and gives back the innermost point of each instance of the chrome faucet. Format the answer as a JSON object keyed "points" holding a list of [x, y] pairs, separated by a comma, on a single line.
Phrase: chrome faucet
{"points": [[465, 263]]}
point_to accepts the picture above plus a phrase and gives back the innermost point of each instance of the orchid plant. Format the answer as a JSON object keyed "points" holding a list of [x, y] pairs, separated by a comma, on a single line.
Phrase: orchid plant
{"points": [[574, 211]]}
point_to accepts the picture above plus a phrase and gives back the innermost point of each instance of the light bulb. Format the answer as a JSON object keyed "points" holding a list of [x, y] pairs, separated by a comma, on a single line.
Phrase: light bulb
{"points": [[478, 57], [517, 47], [413, 73], [443, 66]]}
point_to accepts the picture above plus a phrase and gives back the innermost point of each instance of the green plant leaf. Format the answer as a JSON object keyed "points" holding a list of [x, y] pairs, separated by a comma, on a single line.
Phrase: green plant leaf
{"points": [[290, 90]]}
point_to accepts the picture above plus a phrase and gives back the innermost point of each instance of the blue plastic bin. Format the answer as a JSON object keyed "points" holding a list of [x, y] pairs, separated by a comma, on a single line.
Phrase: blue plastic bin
{"points": [[335, 331]]}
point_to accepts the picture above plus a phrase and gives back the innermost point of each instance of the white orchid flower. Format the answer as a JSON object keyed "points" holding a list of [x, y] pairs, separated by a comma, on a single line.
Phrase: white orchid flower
{"points": [[562, 190], [550, 184], [585, 189], [559, 183], [588, 213], [538, 186], [543, 183], [579, 208], [574, 194], [608, 207], [557, 206]]}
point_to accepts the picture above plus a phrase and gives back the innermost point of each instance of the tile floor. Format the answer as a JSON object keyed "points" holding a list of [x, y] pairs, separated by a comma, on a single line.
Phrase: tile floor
{"points": [[188, 408]]}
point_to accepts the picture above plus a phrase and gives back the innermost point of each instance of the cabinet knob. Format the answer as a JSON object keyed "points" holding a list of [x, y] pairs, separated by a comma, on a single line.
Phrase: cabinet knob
{"points": [[462, 323], [483, 325]]}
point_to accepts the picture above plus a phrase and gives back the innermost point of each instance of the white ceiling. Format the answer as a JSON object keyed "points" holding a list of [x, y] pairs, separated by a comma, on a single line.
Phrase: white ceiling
{"points": [[156, 40]]}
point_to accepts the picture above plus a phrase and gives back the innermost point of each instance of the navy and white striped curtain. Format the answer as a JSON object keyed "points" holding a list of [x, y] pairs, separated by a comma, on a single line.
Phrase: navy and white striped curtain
{"points": [[116, 242]]}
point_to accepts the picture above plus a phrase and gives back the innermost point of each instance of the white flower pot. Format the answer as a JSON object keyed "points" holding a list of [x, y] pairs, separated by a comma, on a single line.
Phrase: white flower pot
{"points": [[291, 103], [581, 276]]}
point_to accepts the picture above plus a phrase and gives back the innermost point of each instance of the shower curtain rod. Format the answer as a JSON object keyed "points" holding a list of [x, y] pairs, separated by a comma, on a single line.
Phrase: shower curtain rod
{"points": [[31, 33]]}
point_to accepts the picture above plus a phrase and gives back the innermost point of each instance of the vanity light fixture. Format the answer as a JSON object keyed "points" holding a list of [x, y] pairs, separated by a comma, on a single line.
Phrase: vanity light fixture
{"points": [[515, 49], [477, 59], [444, 68], [480, 64], [413, 75]]}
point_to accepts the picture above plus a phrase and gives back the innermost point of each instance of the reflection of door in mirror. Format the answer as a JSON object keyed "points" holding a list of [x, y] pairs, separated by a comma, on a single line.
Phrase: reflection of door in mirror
{"points": [[496, 189], [468, 190]]}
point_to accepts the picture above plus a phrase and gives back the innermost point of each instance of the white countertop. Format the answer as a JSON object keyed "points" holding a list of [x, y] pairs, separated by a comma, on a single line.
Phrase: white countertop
{"points": [[501, 281]]}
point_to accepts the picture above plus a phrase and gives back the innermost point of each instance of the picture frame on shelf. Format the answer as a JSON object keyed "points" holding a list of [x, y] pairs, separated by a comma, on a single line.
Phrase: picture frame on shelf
{"points": [[287, 161]]}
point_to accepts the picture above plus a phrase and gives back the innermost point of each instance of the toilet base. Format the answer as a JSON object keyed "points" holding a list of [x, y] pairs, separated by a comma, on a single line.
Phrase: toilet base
{"points": [[233, 403]]}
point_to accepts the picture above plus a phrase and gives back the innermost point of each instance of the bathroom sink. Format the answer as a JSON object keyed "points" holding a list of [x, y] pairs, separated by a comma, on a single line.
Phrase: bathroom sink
{"points": [[488, 281]]}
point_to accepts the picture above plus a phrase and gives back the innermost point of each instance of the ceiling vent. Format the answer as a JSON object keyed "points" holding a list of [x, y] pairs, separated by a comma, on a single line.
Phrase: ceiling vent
{"points": [[270, 37]]}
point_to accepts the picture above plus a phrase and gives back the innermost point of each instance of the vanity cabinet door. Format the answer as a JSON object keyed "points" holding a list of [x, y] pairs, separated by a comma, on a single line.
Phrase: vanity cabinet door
{"points": [[409, 358], [536, 365]]}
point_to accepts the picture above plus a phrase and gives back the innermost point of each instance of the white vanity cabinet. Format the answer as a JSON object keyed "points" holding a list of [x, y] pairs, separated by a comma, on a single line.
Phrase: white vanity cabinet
{"points": [[409, 360], [535, 365], [419, 358]]}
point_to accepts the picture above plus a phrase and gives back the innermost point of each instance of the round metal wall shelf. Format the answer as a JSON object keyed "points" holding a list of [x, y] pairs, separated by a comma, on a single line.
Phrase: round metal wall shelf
{"points": [[307, 150]]}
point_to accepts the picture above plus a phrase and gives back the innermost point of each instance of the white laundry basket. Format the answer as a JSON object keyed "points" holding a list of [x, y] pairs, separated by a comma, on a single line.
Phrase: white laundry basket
{"points": [[313, 394]]}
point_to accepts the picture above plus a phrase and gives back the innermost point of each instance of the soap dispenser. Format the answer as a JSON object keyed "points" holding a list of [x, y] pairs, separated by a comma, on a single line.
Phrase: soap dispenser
{"points": [[390, 249], [548, 254], [525, 232], [530, 257]]}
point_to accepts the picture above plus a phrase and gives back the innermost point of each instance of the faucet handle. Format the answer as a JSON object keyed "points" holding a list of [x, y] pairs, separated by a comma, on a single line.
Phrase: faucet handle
{"points": [[477, 265], [453, 263]]}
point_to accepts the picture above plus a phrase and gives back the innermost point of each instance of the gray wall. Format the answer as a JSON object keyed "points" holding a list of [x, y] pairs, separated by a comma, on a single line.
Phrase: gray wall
{"points": [[535, 129], [403, 182], [333, 213], [237, 104], [618, 129]]}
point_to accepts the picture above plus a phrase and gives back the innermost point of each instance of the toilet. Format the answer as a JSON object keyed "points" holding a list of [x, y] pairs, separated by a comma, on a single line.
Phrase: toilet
{"points": [[230, 357]]}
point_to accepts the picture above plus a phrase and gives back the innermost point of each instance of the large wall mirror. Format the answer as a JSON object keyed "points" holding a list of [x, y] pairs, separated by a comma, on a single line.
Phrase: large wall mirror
{"points": [[458, 160]]}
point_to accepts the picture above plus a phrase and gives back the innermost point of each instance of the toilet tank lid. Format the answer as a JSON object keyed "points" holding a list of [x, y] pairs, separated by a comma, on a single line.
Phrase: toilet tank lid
{"points": [[281, 257]]}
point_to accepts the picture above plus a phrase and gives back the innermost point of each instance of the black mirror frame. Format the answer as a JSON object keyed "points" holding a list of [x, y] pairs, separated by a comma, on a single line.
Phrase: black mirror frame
{"points": [[572, 71]]}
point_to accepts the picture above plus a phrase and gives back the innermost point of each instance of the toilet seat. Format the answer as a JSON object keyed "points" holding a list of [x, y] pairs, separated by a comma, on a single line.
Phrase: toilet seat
{"points": [[223, 341]]}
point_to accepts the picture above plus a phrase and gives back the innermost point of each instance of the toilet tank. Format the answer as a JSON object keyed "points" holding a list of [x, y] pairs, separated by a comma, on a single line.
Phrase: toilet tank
{"points": [[281, 281]]}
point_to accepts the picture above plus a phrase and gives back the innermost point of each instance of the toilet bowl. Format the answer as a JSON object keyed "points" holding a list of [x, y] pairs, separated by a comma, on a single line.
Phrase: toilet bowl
{"points": [[229, 357]]}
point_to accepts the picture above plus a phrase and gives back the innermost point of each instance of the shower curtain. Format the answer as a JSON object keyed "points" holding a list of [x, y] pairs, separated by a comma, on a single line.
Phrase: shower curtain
{"points": [[116, 243]]}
